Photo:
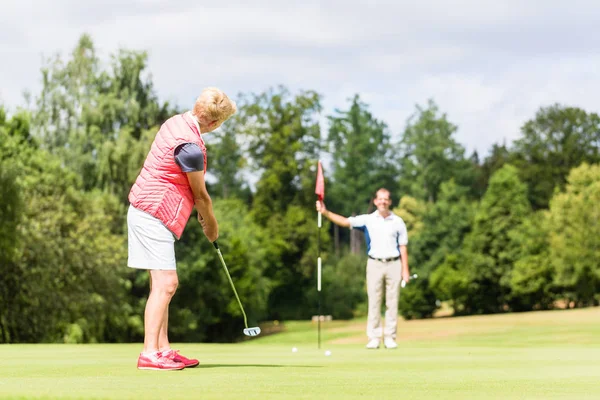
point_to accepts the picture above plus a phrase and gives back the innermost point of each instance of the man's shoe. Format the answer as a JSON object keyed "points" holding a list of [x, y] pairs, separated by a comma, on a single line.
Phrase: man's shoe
{"points": [[175, 356], [390, 343], [373, 344], [158, 362]]}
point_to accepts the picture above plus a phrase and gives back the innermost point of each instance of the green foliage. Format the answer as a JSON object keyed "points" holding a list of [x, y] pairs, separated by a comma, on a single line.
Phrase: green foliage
{"points": [[292, 257], [283, 132], [449, 282], [68, 261], [363, 158], [411, 211], [62, 258], [575, 235], [482, 270], [93, 118], [11, 211], [343, 287], [503, 208], [227, 161], [444, 227], [430, 155], [555, 141], [417, 300], [531, 280], [11, 207], [499, 155], [205, 308], [441, 230]]}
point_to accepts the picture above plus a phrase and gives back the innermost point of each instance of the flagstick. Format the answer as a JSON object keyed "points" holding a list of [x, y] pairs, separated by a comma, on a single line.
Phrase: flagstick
{"points": [[320, 192], [319, 218]]}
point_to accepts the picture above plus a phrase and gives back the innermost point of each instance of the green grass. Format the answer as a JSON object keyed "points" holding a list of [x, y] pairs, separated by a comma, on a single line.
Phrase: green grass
{"points": [[541, 355]]}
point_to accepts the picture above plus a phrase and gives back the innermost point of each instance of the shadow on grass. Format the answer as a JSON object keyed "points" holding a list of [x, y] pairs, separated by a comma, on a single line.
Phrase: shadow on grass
{"points": [[254, 366]]}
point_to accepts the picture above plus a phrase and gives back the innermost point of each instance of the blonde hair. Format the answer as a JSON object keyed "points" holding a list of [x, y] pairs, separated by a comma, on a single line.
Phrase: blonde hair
{"points": [[214, 105]]}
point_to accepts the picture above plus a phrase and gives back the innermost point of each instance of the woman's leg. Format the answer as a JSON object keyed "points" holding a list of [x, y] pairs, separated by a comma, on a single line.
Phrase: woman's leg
{"points": [[163, 284]]}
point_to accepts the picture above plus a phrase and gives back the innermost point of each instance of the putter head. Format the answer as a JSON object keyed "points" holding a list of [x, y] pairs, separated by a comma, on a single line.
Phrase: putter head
{"points": [[255, 331]]}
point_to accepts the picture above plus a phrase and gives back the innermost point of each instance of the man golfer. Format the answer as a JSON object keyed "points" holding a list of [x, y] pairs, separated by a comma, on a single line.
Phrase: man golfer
{"points": [[168, 187], [386, 238]]}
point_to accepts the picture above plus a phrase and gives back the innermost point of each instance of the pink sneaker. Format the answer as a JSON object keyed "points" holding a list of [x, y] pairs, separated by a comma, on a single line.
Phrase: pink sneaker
{"points": [[175, 356], [159, 362]]}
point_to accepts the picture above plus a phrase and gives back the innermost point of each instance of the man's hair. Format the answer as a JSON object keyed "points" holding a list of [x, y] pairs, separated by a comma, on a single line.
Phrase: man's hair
{"points": [[383, 190], [214, 105]]}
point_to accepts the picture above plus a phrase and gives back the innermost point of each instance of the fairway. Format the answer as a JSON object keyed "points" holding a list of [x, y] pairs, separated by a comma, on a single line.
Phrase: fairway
{"points": [[538, 355]]}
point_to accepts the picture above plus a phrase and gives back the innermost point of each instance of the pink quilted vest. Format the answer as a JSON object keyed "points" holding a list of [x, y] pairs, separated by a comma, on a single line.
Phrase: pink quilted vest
{"points": [[162, 189]]}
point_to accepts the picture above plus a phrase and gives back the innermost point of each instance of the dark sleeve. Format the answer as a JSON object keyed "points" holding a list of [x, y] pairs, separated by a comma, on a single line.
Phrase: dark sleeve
{"points": [[189, 157]]}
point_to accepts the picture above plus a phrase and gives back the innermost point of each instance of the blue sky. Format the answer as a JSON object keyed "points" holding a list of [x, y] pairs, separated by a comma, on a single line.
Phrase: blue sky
{"points": [[489, 65]]}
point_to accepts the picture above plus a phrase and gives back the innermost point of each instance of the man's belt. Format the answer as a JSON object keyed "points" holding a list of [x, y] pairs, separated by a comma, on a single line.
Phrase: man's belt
{"points": [[385, 259]]}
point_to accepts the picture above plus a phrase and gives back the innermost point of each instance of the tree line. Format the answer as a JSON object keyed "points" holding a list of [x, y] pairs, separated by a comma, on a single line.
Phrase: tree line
{"points": [[515, 230]]}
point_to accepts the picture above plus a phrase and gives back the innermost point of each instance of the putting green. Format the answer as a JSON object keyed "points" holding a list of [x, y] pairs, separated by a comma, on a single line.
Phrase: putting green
{"points": [[541, 355]]}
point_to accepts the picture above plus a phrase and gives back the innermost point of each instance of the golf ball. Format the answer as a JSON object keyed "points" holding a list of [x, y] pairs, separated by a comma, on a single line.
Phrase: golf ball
{"points": [[327, 353], [294, 349]]}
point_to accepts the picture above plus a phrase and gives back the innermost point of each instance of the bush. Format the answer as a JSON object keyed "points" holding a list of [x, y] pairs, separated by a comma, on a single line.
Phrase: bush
{"points": [[343, 287], [417, 300]]}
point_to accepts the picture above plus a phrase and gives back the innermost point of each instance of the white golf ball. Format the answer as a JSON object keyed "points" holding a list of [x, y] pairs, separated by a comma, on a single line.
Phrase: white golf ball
{"points": [[294, 349], [327, 353]]}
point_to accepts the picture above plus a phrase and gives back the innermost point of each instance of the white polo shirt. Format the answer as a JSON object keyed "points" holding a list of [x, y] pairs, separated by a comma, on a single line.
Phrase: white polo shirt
{"points": [[384, 236]]}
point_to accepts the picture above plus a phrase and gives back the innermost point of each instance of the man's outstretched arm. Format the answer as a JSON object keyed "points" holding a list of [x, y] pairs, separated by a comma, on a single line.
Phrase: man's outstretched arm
{"points": [[333, 217]]}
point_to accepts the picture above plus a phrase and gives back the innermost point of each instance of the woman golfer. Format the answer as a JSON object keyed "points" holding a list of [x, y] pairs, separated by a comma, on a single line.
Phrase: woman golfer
{"points": [[168, 187]]}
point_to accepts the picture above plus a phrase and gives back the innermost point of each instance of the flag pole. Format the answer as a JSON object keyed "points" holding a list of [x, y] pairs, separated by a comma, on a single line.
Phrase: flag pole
{"points": [[319, 220], [320, 192]]}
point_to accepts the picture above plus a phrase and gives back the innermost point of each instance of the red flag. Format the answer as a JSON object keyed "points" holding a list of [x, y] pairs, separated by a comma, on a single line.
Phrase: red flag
{"points": [[320, 187]]}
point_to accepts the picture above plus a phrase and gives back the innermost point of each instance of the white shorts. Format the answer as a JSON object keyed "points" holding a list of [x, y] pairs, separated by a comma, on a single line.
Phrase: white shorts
{"points": [[151, 245]]}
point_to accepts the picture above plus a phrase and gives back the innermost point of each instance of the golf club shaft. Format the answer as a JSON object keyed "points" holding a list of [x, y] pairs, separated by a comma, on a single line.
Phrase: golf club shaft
{"points": [[231, 282]]}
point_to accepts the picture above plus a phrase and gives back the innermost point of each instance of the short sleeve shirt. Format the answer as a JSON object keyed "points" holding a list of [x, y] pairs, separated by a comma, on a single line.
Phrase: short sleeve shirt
{"points": [[384, 236], [189, 157]]}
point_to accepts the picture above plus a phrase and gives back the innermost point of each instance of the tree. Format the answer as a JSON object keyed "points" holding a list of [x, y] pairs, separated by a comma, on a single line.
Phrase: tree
{"points": [[62, 272], [92, 118], [283, 132], [450, 282], [558, 139], [343, 287], [363, 158], [283, 138], [430, 155], [575, 235], [412, 211], [205, 308], [489, 258], [499, 155], [11, 215], [228, 162], [531, 281], [442, 229]]}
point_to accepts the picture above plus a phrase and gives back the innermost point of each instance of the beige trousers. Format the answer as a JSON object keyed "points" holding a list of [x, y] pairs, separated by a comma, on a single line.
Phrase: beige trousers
{"points": [[382, 275]]}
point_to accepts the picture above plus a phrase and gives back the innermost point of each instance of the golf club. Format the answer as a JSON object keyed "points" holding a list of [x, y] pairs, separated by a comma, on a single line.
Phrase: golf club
{"points": [[254, 331], [413, 276]]}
